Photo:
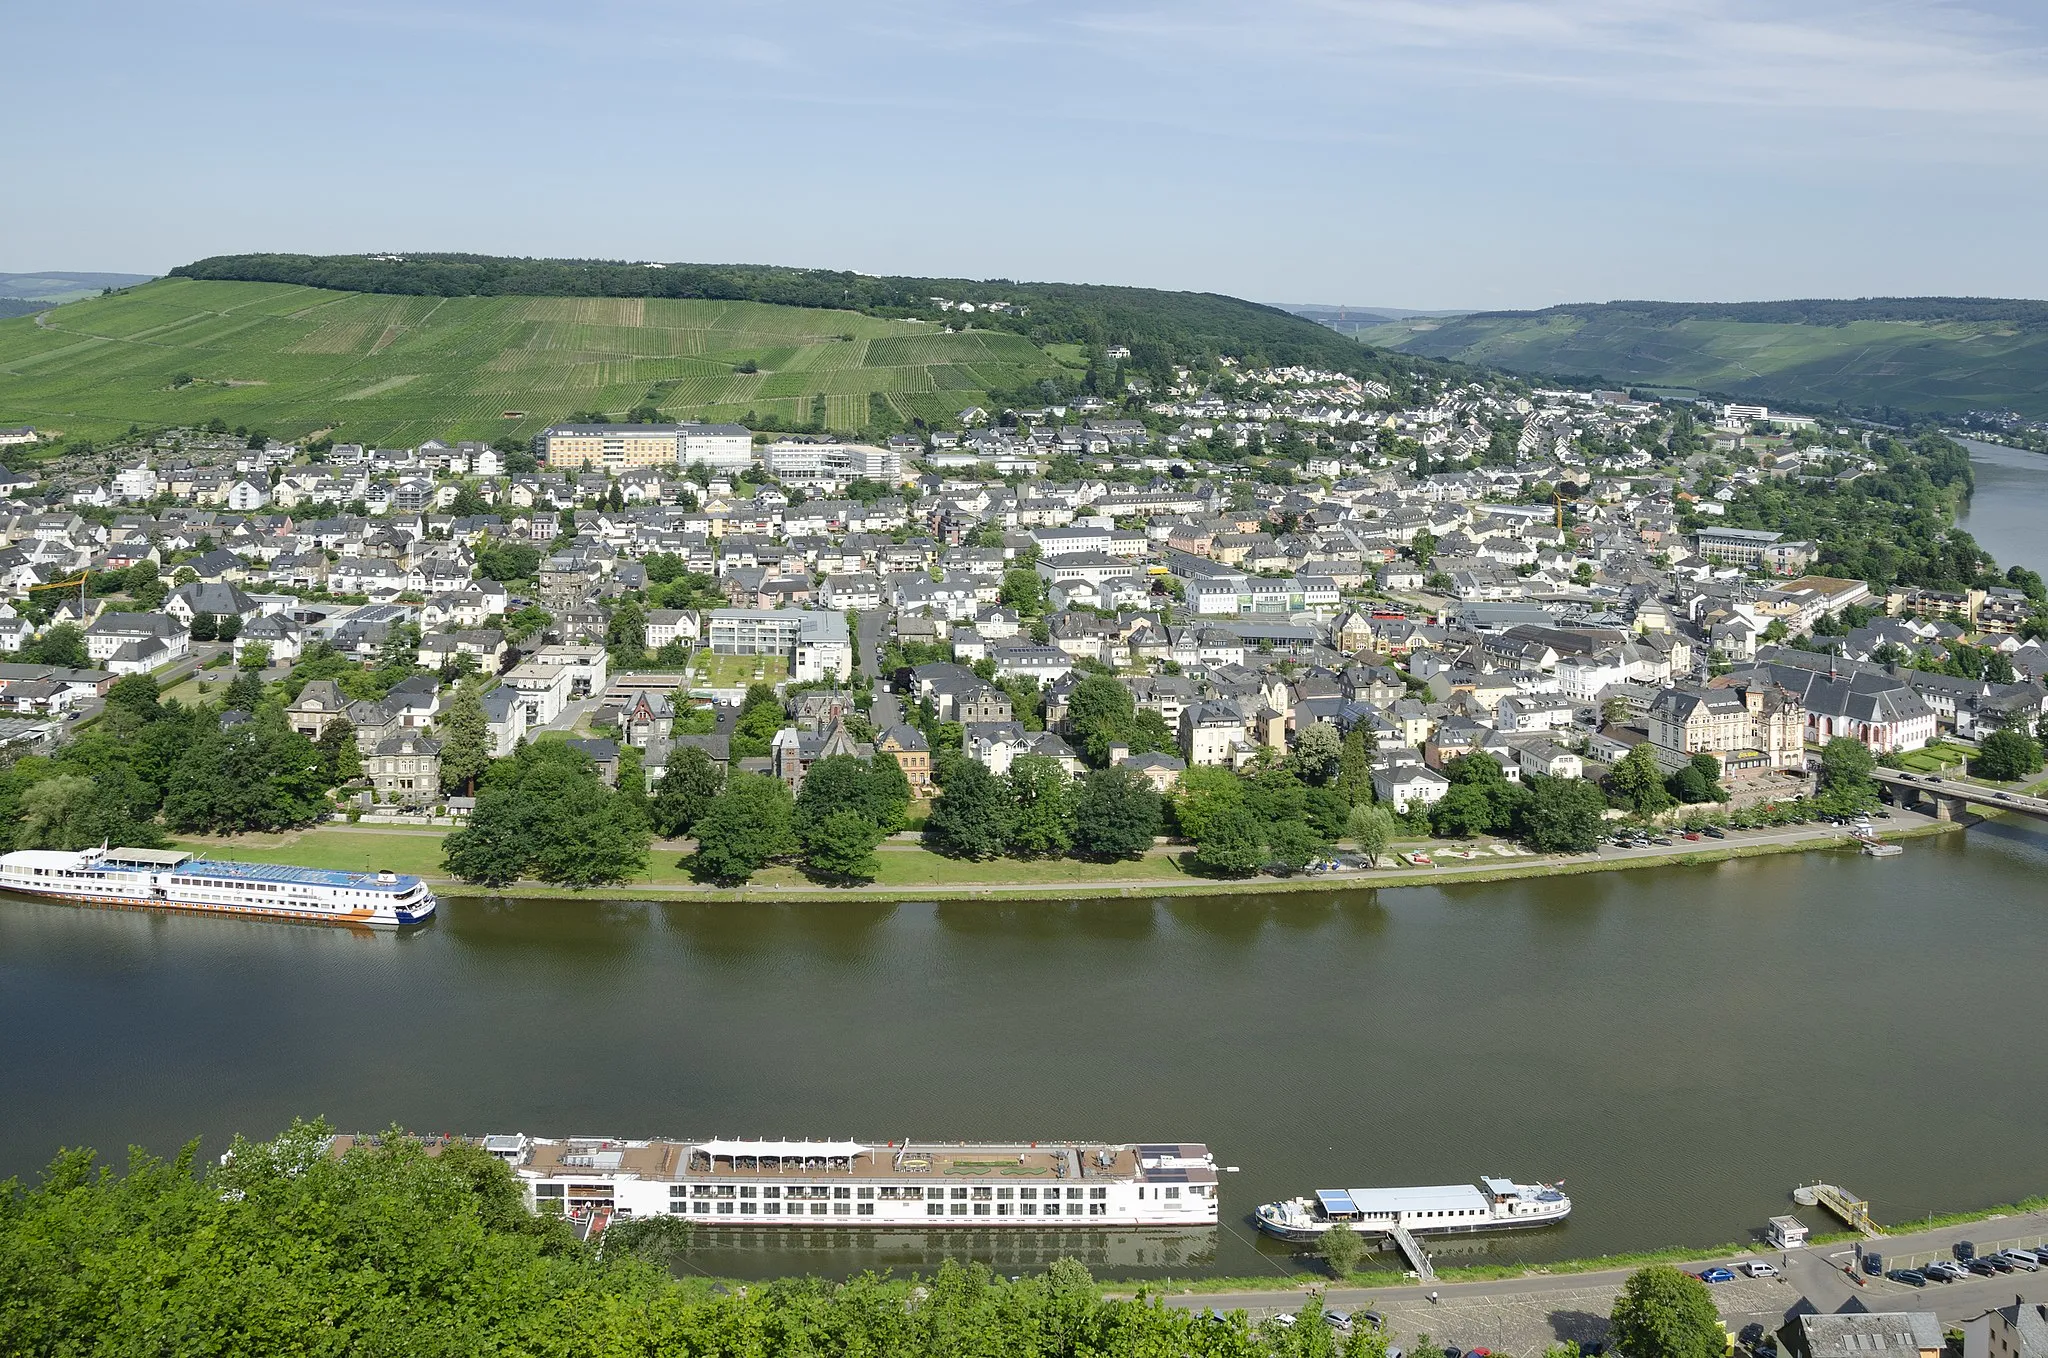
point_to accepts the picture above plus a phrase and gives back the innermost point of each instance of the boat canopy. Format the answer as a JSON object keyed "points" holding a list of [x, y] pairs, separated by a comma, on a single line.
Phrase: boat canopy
{"points": [[1336, 1202], [783, 1150]]}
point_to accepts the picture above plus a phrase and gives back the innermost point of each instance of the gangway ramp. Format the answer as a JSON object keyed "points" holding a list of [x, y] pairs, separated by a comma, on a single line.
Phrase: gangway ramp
{"points": [[1851, 1209], [1418, 1258]]}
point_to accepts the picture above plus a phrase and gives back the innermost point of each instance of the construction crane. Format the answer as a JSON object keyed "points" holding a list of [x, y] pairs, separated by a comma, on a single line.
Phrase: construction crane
{"points": [[78, 580]]}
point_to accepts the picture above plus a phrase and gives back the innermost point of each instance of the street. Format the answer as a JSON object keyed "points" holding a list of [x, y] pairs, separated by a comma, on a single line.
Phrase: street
{"points": [[1524, 1315]]}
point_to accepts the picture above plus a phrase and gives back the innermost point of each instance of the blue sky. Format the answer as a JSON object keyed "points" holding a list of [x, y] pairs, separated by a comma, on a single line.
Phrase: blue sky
{"points": [[1419, 153]]}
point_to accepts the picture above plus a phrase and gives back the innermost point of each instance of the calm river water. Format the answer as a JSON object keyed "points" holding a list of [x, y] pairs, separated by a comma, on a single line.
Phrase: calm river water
{"points": [[2008, 511], [1680, 1045]]}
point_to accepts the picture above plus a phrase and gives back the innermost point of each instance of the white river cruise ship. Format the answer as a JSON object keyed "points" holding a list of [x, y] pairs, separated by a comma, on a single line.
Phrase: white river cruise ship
{"points": [[1447, 1209], [168, 879], [852, 1184]]}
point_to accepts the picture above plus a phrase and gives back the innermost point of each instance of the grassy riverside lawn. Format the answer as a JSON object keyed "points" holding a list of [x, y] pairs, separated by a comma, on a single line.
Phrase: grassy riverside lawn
{"points": [[388, 369], [910, 873], [1481, 1273]]}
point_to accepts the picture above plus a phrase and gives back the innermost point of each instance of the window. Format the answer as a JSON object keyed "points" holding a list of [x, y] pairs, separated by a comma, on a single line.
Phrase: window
{"points": [[817, 1209], [748, 1192], [771, 1192], [1097, 1193], [771, 1209], [960, 1193], [725, 1209], [1173, 1192], [748, 1209], [1004, 1209], [1030, 1209], [1096, 1209], [1073, 1192], [983, 1194], [959, 1209], [866, 1209], [935, 1209], [1073, 1209], [842, 1209], [842, 1192], [1006, 1192], [1028, 1193], [865, 1193]]}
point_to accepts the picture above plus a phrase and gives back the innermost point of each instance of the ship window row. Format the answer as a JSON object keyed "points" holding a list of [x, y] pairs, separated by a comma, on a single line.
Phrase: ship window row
{"points": [[1022, 1209], [887, 1193], [750, 1207]]}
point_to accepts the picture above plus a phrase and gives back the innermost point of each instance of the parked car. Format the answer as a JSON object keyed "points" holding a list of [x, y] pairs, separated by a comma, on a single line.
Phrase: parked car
{"points": [[1715, 832], [1984, 1268], [1338, 1320], [1661, 842], [1964, 1250], [1371, 1319], [1717, 1274], [1911, 1277], [1942, 1271], [2022, 1260], [1757, 1268], [1691, 835]]}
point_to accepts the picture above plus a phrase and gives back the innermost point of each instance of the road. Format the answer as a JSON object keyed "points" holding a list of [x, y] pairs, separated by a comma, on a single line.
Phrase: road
{"points": [[873, 628], [1524, 1315]]}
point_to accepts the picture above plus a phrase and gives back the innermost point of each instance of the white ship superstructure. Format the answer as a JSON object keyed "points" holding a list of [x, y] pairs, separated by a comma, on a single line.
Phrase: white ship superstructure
{"points": [[1447, 1209], [854, 1184], [169, 879]]}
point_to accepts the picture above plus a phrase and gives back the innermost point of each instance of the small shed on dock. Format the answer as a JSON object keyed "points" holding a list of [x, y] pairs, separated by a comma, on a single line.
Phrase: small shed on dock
{"points": [[1787, 1233]]}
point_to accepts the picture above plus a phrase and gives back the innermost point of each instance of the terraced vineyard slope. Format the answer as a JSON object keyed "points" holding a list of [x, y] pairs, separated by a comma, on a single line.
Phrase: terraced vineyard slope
{"points": [[1921, 355], [391, 369]]}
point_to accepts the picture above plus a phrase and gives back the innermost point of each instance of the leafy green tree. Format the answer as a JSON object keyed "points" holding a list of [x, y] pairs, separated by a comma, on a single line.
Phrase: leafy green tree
{"points": [[842, 847], [244, 693], [255, 658], [1663, 1313], [1231, 844], [61, 645], [205, 627], [229, 628], [2004, 756], [465, 741], [1100, 713], [1565, 815], [886, 798], [1635, 783], [1845, 781], [971, 818], [341, 759], [1371, 828], [631, 784], [135, 696], [1294, 844], [683, 793], [625, 634], [258, 775], [545, 811], [1023, 590], [1117, 813], [746, 825], [73, 811], [1042, 823], [1354, 764], [1341, 1250], [1204, 793], [1318, 753]]}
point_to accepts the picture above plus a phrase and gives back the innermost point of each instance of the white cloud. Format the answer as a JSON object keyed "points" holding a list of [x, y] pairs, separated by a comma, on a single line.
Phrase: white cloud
{"points": [[1905, 56]]}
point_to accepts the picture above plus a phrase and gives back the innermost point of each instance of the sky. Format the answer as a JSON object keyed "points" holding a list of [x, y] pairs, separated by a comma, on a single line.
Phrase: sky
{"points": [[1413, 153]]}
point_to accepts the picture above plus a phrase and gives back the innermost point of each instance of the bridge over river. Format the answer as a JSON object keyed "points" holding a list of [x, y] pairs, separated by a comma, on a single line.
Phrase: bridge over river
{"points": [[1944, 797]]}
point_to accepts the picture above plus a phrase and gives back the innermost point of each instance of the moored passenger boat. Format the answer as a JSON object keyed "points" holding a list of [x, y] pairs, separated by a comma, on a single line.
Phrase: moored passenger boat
{"points": [[168, 879], [1044, 1184], [1450, 1209]]}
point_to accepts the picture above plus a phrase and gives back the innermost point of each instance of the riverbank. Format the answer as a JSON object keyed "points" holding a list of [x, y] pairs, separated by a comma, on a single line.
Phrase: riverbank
{"points": [[914, 874]]}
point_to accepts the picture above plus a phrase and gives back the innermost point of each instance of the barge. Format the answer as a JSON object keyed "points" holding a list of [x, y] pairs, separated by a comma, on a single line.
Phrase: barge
{"points": [[169, 879], [923, 1184], [1450, 1209]]}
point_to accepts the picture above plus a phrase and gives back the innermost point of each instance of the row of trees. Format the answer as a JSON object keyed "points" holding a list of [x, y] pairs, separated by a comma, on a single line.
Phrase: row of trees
{"points": [[544, 812], [847, 807], [282, 1248], [150, 765], [1036, 811]]}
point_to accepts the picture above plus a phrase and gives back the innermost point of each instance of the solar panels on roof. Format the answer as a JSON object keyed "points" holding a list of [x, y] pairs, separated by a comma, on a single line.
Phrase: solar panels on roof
{"points": [[1336, 1201]]}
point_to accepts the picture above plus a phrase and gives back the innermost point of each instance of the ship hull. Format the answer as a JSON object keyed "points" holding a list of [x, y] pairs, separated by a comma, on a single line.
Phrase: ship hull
{"points": [[417, 913]]}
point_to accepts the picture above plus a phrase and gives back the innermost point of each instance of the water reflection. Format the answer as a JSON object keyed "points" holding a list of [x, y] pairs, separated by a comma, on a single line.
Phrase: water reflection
{"points": [[767, 1253], [737, 929], [1106, 918]]}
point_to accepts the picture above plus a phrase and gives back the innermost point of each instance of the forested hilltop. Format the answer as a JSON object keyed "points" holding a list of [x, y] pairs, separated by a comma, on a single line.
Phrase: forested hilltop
{"points": [[1159, 327], [1887, 357], [395, 1251]]}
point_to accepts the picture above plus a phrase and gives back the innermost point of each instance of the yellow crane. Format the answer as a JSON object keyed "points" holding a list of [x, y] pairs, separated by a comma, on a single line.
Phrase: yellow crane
{"points": [[78, 580]]}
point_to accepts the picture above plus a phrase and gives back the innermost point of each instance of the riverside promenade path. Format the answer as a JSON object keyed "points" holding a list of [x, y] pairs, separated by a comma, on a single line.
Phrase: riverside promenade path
{"points": [[1524, 1315]]}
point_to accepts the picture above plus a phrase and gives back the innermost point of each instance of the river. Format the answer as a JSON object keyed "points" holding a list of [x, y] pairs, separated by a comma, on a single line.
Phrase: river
{"points": [[1680, 1045], [2008, 511]]}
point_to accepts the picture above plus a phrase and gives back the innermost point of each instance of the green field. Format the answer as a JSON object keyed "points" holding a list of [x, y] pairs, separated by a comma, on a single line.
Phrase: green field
{"points": [[384, 369], [1867, 364]]}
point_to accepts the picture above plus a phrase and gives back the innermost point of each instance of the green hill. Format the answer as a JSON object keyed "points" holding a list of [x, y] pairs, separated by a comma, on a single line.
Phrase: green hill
{"points": [[1921, 354], [462, 346]]}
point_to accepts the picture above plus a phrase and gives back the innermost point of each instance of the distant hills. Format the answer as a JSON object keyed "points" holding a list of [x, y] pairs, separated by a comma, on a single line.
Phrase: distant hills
{"points": [[58, 286], [380, 349], [1873, 356]]}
